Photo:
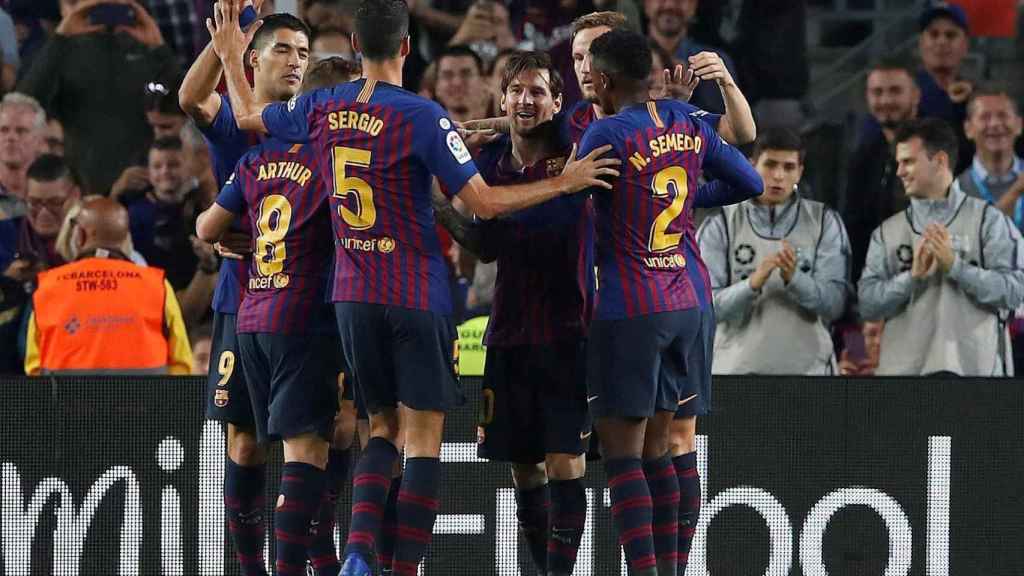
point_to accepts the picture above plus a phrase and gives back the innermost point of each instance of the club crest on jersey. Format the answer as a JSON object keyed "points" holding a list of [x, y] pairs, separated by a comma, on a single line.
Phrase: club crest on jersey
{"points": [[386, 245], [445, 124], [457, 147], [555, 166], [220, 398]]}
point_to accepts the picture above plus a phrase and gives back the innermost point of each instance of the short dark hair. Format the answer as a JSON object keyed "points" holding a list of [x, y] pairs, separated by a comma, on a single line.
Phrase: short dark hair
{"points": [[596, 20], [167, 143], [936, 136], [890, 63], [50, 168], [381, 26], [461, 51], [330, 71], [162, 97], [274, 22], [521, 62], [785, 139], [991, 89], [623, 53]]}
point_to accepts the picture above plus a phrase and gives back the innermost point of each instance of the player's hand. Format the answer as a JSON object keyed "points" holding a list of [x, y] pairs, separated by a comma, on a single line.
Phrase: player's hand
{"points": [[77, 23], [234, 246], [133, 178], [144, 30], [229, 41], [960, 91], [679, 84], [924, 263], [939, 243], [763, 272], [477, 139], [710, 66], [787, 261], [586, 172]]}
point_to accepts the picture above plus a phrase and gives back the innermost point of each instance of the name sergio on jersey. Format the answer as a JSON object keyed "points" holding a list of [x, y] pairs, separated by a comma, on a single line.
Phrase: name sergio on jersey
{"points": [[291, 170], [351, 120]]}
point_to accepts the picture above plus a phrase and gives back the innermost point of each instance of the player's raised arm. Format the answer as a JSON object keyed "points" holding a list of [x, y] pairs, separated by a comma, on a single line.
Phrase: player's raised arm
{"points": [[726, 162], [230, 43], [579, 174], [737, 125]]}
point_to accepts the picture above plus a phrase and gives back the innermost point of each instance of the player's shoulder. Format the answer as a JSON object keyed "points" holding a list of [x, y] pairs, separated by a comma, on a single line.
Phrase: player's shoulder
{"points": [[678, 110]]}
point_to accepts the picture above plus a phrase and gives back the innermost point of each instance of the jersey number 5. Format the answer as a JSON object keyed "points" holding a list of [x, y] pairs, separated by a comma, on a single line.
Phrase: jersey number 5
{"points": [[274, 219], [661, 187], [365, 214]]}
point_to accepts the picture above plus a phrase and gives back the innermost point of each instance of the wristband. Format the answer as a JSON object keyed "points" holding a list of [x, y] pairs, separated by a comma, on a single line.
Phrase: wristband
{"points": [[248, 16]]}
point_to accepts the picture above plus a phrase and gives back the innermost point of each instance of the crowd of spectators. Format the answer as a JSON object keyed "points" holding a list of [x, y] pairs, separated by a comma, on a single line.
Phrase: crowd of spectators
{"points": [[92, 109]]}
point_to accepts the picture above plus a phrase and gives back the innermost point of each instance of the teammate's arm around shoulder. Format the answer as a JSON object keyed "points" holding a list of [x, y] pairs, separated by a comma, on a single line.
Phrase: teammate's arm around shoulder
{"points": [[579, 174]]}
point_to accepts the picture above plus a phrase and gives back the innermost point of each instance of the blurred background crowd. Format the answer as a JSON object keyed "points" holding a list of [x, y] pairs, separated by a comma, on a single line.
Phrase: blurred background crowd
{"points": [[92, 110]]}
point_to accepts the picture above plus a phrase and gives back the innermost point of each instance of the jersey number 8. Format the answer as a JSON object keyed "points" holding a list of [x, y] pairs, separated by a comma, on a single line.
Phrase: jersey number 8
{"points": [[274, 219]]}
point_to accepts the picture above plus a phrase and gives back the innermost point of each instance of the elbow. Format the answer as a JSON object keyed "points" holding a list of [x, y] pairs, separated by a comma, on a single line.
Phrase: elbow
{"points": [[205, 231], [746, 133]]}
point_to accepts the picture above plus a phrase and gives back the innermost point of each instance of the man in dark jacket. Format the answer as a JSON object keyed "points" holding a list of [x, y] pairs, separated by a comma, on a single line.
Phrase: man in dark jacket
{"points": [[91, 77]]}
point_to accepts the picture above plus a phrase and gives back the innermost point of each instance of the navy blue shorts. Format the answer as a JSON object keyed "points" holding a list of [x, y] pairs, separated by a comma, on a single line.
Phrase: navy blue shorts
{"points": [[293, 383], [637, 366], [227, 396], [696, 393], [399, 355], [534, 403]]}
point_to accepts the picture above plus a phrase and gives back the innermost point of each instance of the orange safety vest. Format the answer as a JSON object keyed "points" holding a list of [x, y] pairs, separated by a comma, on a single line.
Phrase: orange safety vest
{"points": [[101, 315]]}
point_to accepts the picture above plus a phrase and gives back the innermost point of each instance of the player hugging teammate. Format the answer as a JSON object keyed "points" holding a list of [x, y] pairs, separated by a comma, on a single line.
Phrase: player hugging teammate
{"points": [[356, 160]]}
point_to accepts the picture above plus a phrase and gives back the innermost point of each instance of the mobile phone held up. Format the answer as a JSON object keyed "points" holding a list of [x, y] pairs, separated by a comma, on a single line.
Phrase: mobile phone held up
{"points": [[112, 15]]}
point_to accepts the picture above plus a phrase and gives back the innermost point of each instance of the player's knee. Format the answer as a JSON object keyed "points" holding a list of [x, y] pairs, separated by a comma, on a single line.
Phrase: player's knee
{"points": [[683, 436], [422, 430], [565, 466], [243, 447], [656, 436], [529, 476], [310, 448], [384, 424]]}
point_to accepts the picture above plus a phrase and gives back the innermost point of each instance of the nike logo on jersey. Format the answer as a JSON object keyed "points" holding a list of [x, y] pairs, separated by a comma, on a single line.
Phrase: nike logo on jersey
{"points": [[591, 399], [585, 435], [685, 400]]}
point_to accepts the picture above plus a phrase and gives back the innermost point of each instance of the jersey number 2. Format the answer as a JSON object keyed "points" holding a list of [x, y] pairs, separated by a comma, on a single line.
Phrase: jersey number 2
{"points": [[365, 214], [661, 187], [274, 219]]}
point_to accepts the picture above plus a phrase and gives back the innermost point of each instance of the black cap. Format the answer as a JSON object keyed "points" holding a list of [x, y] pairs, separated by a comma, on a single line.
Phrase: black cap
{"points": [[949, 10]]}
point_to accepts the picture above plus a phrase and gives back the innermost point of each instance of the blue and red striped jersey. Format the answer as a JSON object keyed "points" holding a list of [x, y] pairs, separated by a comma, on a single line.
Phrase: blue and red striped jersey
{"points": [[544, 290], [646, 264], [227, 144], [280, 186], [573, 122], [381, 145]]}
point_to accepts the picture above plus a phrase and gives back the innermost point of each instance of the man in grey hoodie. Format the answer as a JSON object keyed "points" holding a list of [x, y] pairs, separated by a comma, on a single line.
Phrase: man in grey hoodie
{"points": [[779, 268], [946, 272]]}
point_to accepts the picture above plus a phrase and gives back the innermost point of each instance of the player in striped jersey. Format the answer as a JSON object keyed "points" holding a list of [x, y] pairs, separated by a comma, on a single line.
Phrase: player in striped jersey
{"points": [[287, 337], [650, 322], [534, 396], [278, 69], [391, 294]]}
